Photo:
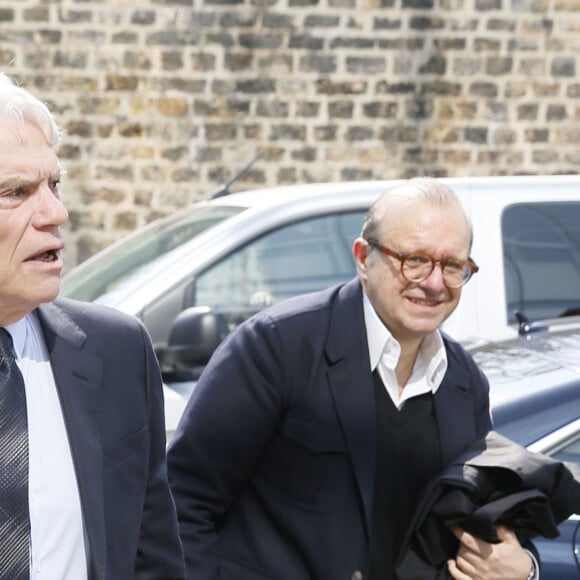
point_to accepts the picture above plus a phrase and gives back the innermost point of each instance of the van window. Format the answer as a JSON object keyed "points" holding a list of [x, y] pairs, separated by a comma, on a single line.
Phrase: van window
{"points": [[541, 252]]}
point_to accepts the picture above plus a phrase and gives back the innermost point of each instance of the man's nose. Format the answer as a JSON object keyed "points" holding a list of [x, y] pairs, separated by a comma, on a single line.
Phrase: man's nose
{"points": [[50, 210], [435, 278]]}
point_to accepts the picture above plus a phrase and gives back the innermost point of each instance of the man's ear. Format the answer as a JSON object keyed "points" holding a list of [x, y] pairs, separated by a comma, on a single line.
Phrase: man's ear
{"points": [[360, 251]]}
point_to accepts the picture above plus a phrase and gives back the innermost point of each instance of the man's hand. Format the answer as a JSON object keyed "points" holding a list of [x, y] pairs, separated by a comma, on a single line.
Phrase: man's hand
{"points": [[480, 560]]}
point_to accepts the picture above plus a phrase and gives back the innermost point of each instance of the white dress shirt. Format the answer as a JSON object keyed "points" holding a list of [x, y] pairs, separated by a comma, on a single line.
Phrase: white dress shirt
{"points": [[56, 526], [384, 352]]}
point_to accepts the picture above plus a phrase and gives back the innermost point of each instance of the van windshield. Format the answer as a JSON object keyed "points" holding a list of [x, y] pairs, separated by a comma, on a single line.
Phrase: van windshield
{"points": [[541, 253], [106, 270]]}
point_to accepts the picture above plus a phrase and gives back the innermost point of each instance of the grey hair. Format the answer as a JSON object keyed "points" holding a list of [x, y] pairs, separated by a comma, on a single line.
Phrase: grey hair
{"points": [[23, 106], [428, 189]]}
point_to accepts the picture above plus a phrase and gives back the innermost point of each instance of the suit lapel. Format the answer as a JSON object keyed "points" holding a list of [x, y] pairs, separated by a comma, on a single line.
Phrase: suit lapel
{"points": [[352, 389], [355, 405], [78, 379], [455, 414]]}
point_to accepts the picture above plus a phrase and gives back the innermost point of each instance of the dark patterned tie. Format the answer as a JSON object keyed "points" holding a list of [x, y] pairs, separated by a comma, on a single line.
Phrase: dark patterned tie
{"points": [[14, 516]]}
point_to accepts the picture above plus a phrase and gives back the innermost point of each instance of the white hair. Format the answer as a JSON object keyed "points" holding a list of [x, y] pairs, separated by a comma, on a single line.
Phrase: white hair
{"points": [[22, 105]]}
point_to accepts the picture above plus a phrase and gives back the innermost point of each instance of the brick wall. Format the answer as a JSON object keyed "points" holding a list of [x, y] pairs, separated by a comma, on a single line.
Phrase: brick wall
{"points": [[162, 100]]}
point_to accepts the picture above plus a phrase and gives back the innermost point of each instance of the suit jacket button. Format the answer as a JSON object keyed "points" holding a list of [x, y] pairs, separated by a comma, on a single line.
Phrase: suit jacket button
{"points": [[356, 575]]}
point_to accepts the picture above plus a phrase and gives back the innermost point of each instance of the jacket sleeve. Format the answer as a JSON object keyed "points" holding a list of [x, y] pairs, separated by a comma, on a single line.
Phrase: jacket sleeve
{"points": [[159, 553], [227, 424]]}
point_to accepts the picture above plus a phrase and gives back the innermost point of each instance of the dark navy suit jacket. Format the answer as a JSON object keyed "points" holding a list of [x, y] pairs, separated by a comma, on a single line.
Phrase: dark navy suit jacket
{"points": [[111, 395], [273, 463]]}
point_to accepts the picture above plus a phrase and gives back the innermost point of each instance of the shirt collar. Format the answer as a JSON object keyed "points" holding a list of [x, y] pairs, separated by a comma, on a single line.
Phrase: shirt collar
{"points": [[434, 358], [19, 330], [378, 335], [432, 353]]}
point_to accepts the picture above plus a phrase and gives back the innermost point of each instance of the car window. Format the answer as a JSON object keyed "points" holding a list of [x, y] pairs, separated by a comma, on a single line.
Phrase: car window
{"points": [[561, 439], [570, 452], [301, 257], [107, 270], [541, 249]]}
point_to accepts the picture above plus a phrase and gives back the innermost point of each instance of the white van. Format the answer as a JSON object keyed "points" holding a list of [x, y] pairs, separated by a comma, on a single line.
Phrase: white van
{"points": [[194, 276], [527, 245]]}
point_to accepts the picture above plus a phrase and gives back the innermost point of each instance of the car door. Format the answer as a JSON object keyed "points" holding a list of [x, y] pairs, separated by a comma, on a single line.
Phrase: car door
{"points": [[297, 257]]}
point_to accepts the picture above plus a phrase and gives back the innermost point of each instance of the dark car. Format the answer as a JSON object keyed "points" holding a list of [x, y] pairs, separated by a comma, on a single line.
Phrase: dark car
{"points": [[535, 398]]}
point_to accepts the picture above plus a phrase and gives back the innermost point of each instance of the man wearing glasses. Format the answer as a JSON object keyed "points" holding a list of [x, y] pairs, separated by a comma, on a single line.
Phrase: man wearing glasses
{"points": [[317, 424]]}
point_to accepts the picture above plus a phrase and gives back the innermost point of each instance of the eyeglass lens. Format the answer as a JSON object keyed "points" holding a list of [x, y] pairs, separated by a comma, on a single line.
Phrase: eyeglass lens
{"points": [[418, 268]]}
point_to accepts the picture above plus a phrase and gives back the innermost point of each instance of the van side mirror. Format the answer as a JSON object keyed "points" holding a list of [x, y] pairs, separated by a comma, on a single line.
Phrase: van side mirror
{"points": [[195, 334]]}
